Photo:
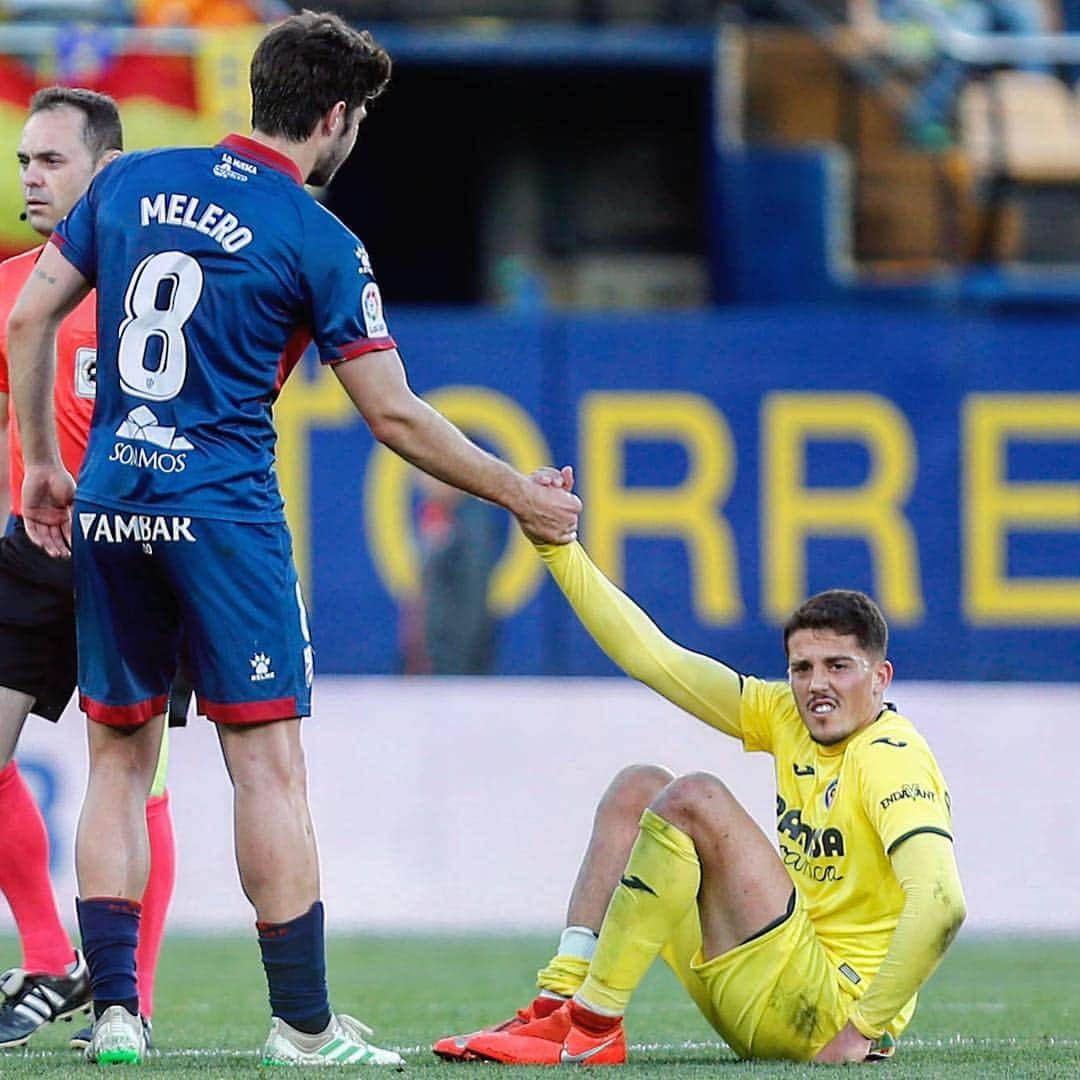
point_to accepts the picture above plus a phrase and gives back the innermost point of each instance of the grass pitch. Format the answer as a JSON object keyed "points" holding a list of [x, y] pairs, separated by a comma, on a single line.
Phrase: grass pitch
{"points": [[1004, 1007]]}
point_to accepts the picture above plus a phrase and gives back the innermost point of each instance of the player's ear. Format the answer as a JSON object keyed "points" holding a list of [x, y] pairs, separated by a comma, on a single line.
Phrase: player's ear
{"points": [[105, 159], [883, 675], [335, 118]]}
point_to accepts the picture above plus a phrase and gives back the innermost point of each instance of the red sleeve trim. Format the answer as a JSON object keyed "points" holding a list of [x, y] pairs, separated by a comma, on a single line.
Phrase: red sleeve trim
{"points": [[249, 712], [358, 348], [123, 716]]}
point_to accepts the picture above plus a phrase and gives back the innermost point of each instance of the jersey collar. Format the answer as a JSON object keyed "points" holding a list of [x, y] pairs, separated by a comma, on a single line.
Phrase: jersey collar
{"points": [[836, 749], [260, 152]]}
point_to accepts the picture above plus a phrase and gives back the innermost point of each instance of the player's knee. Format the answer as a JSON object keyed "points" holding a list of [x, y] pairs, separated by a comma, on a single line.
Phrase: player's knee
{"points": [[694, 800], [127, 757], [266, 759], [275, 779], [632, 790]]}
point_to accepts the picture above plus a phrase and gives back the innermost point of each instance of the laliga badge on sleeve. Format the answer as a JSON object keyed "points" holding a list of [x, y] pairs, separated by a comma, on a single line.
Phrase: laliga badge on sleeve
{"points": [[371, 305], [86, 373]]}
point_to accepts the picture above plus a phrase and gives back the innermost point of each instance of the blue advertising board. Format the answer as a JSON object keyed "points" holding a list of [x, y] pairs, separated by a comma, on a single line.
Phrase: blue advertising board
{"points": [[730, 463]]}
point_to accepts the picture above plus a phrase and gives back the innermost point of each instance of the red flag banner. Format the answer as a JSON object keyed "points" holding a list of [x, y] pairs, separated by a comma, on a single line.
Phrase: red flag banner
{"points": [[159, 104]]}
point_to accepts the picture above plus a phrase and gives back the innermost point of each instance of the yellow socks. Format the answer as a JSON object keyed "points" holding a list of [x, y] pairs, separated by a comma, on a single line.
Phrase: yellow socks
{"points": [[563, 975], [659, 884]]}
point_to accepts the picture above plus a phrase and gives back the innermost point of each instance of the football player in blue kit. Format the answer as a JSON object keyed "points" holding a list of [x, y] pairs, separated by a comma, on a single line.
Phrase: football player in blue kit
{"points": [[214, 270]]}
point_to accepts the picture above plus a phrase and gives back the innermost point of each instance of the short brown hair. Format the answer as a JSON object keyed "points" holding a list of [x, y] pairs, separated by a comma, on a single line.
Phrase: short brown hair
{"points": [[843, 611], [102, 130], [305, 65]]}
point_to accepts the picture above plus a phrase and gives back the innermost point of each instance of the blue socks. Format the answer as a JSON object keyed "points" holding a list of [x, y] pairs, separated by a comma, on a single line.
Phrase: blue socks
{"points": [[109, 926], [294, 958]]}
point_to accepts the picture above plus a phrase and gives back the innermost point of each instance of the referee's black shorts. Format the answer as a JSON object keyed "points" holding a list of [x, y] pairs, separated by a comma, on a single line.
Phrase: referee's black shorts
{"points": [[37, 623]]}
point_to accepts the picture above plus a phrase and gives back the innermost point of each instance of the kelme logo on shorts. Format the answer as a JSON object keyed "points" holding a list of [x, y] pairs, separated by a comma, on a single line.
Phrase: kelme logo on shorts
{"points": [[261, 667]]}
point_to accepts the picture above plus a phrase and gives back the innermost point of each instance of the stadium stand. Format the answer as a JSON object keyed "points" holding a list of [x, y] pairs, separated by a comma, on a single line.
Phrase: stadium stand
{"points": [[1021, 135]]}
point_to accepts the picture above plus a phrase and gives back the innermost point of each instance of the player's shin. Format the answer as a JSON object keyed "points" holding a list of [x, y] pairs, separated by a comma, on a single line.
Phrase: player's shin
{"points": [[658, 887]]}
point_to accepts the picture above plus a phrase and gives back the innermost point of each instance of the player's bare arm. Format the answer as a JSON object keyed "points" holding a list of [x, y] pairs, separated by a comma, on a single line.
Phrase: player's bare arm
{"points": [[51, 292], [377, 386]]}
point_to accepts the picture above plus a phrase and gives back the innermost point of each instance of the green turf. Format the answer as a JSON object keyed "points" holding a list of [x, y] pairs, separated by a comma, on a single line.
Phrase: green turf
{"points": [[996, 1008]]}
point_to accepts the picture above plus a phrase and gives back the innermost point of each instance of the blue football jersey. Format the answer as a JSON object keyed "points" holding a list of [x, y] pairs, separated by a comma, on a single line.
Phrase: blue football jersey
{"points": [[214, 271]]}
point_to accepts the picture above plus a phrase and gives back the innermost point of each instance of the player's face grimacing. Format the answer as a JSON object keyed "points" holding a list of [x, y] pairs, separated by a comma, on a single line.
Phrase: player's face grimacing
{"points": [[838, 688], [55, 166], [338, 150]]}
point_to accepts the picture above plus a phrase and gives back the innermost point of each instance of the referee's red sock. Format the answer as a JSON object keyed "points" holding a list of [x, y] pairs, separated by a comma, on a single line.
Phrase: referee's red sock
{"points": [[24, 877], [156, 898]]}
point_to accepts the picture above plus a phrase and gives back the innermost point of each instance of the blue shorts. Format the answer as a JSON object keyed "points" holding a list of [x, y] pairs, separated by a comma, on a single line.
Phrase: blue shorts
{"points": [[152, 590]]}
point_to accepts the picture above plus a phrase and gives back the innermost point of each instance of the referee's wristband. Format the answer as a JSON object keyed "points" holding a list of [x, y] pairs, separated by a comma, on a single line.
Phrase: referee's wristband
{"points": [[862, 1027]]}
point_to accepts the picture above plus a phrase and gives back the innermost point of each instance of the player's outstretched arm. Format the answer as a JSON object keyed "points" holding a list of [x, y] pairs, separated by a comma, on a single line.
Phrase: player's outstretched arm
{"points": [[704, 687], [405, 423], [51, 292]]}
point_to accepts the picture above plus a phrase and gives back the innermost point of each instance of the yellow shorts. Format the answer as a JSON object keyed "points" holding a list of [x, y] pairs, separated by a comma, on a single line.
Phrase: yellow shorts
{"points": [[776, 996]]}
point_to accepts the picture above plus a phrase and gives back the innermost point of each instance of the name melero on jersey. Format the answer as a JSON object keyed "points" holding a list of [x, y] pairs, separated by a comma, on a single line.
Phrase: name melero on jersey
{"points": [[188, 212]]}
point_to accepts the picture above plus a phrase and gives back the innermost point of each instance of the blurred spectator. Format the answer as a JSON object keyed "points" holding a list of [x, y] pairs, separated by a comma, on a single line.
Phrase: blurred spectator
{"points": [[449, 629], [197, 12], [934, 98]]}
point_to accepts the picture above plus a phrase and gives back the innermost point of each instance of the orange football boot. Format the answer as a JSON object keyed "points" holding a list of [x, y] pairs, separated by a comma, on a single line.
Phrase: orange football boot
{"points": [[456, 1047], [571, 1035]]}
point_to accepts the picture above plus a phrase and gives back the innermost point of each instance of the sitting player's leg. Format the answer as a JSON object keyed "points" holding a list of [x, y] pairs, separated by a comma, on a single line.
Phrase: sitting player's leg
{"points": [[615, 828], [761, 976], [737, 879]]}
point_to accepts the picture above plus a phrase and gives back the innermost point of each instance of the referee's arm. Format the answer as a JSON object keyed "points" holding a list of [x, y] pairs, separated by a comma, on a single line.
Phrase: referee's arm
{"points": [[5, 459]]}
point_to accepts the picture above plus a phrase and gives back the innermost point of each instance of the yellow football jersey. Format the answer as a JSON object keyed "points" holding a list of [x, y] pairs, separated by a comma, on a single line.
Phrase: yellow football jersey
{"points": [[840, 811]]}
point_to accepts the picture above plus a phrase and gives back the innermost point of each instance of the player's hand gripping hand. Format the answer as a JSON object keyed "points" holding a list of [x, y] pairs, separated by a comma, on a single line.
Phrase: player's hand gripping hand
{"points": [[550, 515], [47, 494], [847, 1046]]}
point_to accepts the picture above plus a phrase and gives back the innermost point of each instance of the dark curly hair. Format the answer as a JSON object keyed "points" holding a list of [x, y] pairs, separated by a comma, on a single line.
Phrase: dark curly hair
{"points": [[305, 65], [844, 611]]}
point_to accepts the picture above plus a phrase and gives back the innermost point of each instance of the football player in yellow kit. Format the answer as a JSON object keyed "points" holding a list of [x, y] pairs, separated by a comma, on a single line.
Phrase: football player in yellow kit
{"points": [[814, 951]]}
